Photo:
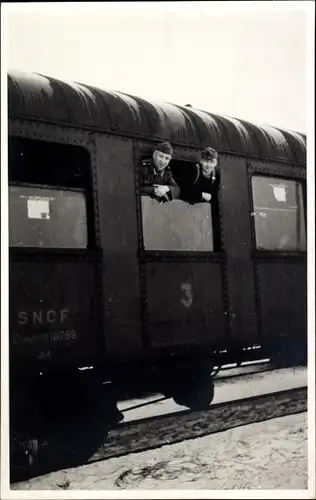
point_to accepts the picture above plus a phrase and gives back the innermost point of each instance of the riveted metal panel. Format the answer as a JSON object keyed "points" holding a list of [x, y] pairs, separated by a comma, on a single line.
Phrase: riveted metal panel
{"points": [[54, 313], [235, 209], [47, 132], [278, 169], [282, 298], [185, 304], [42, 98], [119, 241]]}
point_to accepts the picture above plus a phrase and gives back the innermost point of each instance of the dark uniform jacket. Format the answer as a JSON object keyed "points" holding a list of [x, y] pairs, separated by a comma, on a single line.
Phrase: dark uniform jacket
{"points": [[149, 177], [196, 183], [192, 187]]}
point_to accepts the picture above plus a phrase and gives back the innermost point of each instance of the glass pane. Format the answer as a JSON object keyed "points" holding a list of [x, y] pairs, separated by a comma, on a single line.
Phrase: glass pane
{"points": [[278, 214], [41, 217], [177, 225]]}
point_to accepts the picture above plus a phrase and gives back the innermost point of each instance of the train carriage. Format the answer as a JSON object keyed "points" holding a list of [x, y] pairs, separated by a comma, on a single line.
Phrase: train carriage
{"points": [[103, 276]]}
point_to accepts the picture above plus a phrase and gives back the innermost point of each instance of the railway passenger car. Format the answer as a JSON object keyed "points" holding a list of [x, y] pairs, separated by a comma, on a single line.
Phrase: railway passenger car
{"points": [[102, 276]]}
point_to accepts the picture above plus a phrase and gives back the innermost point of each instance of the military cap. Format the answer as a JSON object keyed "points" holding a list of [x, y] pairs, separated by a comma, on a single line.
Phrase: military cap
{"points": [[164, 147], [209, 154]]}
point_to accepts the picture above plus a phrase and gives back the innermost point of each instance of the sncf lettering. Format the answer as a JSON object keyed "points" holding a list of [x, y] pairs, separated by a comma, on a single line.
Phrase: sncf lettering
{"points": [[22, 318], [63, 314], [37, 317], [41, 317], [51, 316]]}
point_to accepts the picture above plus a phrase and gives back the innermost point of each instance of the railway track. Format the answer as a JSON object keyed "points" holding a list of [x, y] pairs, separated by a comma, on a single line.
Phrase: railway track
{"points": [[150, 433], [154, 432]]}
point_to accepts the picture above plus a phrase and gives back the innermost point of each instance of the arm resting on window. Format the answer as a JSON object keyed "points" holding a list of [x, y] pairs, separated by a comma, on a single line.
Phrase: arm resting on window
{"points": [[147, 190], [191, 194]]}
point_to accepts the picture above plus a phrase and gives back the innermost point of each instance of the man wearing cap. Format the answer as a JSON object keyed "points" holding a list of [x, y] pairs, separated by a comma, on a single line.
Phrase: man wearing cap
{"points": [[156, 175], [202, 183]]}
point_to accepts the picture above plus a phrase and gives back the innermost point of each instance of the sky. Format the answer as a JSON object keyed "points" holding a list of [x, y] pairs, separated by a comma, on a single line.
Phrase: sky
{"points": [[243, 59]]}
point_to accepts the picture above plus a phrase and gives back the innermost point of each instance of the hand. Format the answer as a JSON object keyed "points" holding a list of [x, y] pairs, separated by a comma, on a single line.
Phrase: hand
{"points": [[161, 191], [206, 196]]}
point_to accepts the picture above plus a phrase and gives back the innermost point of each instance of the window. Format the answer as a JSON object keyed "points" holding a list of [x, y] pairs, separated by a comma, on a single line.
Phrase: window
{"points": [[41, 217], [176, 225], [278, 214], [50, 200]]}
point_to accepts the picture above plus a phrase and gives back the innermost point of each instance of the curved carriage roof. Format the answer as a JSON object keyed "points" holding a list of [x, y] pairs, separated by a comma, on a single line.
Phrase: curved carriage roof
{"points": [[43, 98]]}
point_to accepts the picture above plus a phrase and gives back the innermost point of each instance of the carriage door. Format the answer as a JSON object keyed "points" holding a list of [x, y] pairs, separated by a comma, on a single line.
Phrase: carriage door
{"points": [[279, 239], [182, 275]]}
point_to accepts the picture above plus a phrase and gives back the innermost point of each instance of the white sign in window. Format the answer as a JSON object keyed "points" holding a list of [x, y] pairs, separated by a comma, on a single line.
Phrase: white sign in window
{"points": [[279, 192], [37, 209]]}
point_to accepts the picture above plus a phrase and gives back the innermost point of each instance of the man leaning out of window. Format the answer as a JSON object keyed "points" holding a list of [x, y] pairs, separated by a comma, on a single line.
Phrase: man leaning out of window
{"points": [[201, 183], [156, 175]]}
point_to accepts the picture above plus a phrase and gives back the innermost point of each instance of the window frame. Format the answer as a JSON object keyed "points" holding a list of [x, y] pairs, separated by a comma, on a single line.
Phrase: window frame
{"points": [[49, 249], [160, 251], [147, 254], [290, 178], [52, 136], [47, 186]]}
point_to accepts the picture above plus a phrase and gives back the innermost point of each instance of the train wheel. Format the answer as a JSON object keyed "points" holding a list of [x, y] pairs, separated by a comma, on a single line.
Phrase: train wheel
{"points": [[196, 393]]}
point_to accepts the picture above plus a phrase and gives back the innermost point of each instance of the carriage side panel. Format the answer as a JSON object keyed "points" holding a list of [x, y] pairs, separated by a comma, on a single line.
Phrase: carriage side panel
{"points": [[238, 247], [283, 300], [279, 256], [118, 229]]}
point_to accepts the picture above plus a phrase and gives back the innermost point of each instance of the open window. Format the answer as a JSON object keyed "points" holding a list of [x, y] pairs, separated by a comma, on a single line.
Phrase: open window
{"points": [[177, 225], [278, 212], [50, 202]]}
